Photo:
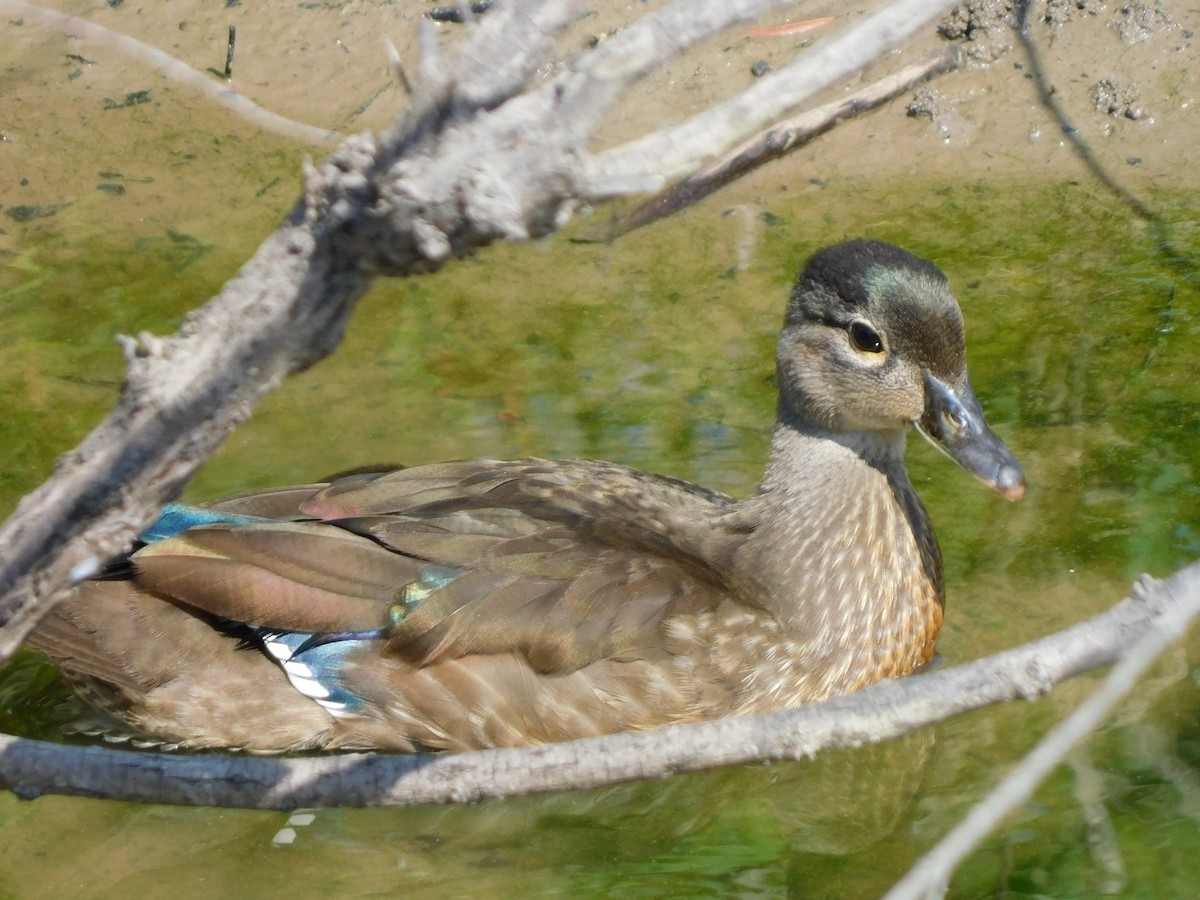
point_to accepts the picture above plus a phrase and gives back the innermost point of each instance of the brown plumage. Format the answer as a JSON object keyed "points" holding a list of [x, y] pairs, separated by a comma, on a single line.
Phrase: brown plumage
{"points": [[493, 603]]}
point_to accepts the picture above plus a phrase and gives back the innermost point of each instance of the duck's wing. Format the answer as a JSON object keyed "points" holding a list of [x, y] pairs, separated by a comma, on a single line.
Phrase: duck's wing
{"points": [[563, 563]]}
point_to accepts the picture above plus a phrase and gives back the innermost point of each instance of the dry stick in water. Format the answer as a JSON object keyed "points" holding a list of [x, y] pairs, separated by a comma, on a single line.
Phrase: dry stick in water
{"points": [[229, 51], [886, 710], [930, 876]]}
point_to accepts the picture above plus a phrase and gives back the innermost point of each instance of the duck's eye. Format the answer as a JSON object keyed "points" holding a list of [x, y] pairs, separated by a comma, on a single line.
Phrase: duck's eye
{"points": [[865, 338]]}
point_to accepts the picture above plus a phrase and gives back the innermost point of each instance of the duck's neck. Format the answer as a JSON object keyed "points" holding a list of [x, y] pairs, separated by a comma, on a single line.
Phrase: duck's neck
{"points": [[838, 546], [804, 455]]}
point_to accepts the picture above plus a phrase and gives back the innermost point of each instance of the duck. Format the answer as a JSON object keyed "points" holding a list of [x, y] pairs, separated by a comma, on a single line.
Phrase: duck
{"points": [[496, 603]]}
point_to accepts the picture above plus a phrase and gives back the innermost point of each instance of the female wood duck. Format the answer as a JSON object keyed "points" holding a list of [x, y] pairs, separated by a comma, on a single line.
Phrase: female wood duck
{"points": [[490, 603]]}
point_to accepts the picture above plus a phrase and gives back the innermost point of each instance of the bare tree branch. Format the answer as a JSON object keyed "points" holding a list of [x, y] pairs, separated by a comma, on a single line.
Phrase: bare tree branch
{"points": [[497, 62], [653, 160], [886, 710]]}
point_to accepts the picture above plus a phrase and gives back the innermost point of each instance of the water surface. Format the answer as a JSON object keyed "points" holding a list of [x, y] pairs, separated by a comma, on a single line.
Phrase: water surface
{"points": [[656, 351]]}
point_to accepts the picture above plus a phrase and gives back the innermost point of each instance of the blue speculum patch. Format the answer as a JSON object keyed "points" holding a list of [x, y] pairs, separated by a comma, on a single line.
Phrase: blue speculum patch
{"points": [[176, 518]]}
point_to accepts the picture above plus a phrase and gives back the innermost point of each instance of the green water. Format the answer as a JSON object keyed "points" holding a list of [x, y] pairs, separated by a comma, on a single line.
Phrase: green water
{"points": [[657, 352]]}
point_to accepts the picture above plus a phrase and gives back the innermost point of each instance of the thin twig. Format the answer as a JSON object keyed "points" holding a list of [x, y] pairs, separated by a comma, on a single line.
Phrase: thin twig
{"points": [[176, 70], [931, 874], [784, 138]]}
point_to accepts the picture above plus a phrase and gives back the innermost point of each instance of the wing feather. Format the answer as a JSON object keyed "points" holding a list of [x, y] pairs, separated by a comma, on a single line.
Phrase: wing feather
{"points": [[555, 562]]}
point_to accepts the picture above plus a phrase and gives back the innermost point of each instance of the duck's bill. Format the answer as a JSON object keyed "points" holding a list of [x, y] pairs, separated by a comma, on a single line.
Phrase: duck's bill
{"points": [[954, 423]]}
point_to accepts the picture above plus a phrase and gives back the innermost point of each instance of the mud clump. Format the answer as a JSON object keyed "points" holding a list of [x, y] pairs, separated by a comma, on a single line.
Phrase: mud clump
{"points": [[984, 26], [1117, 100], [1139, 21]]}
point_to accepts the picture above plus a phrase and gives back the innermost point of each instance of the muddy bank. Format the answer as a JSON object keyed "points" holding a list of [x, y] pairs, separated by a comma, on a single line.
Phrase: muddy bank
{"points": [[91, 135]]}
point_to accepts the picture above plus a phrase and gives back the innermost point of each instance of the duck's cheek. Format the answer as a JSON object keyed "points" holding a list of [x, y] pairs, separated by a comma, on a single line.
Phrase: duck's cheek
{"points": [[912, 409], [884, 403], [900, 395]]}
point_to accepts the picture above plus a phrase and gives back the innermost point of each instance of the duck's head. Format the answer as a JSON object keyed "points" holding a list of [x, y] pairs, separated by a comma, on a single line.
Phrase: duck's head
{"points": [[873, 343]]}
